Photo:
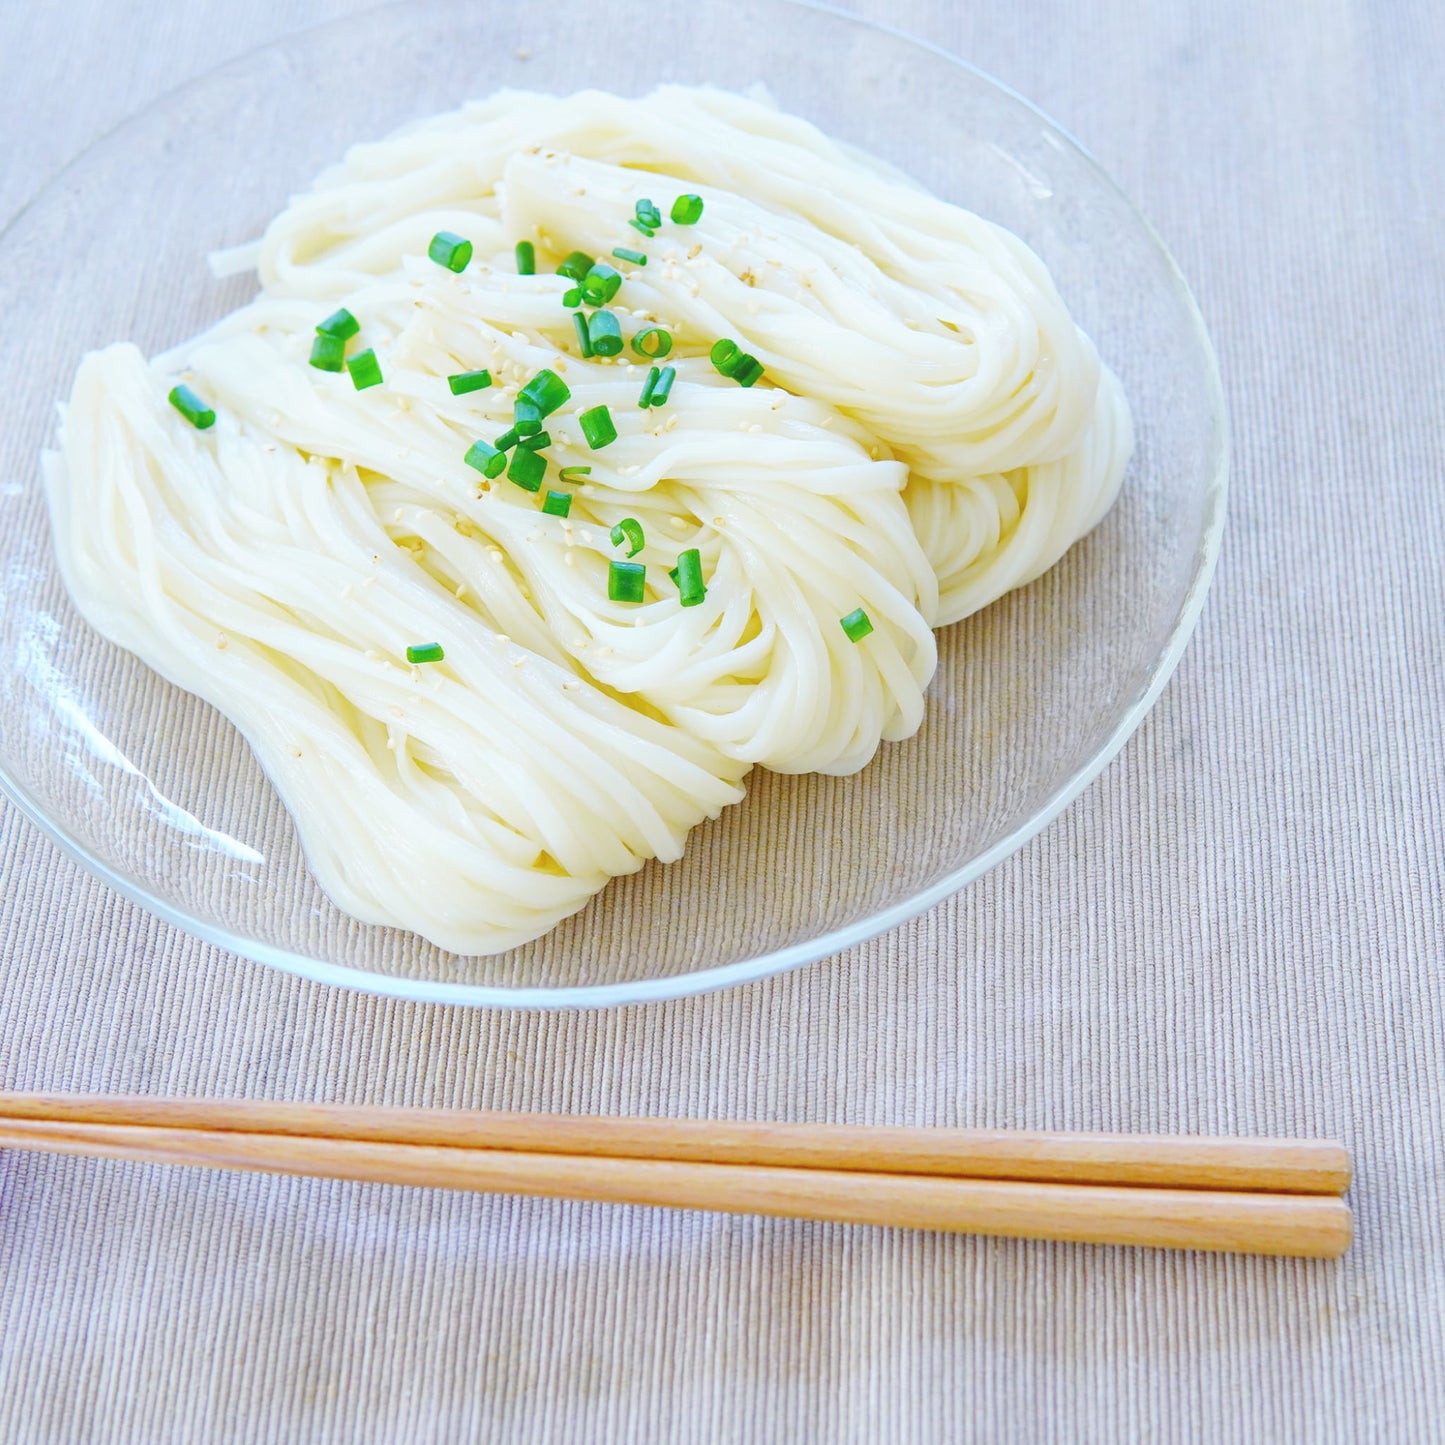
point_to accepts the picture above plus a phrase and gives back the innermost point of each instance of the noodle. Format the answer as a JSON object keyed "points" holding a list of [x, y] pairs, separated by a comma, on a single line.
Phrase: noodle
{"points": [[932, 430]]}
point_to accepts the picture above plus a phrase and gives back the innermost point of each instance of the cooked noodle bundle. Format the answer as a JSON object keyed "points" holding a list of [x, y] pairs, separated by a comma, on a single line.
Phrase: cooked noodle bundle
{"points": [[931, 429]]}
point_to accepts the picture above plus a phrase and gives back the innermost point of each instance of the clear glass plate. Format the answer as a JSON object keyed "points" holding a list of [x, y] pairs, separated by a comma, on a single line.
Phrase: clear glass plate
{"points": [[157, 794]]}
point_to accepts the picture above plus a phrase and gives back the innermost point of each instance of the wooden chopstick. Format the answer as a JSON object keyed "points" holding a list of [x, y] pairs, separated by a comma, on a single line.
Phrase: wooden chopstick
{"points": [[1252, 1223], [1279, 1166], [905, 1178]]}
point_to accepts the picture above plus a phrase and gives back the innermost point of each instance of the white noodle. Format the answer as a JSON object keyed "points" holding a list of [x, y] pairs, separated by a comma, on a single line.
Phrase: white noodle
{"points": [[932, 430]]}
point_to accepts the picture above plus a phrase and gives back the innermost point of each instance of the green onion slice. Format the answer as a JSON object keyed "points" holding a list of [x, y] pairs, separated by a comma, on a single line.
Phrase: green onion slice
{"points": [[576, 266], [536, 442], [646, 230], [573, 474], [598, 427], [191, 407], [340, 323], [663, 389], [487, 459], [747, 370], [732, 361], [450, 250], [546, 391], [527, 469], [365, 369], [425, 652], [626, 253], [626, 581], [557, 504], [526, 259], [572, 296], [689, 578], [604, 333], [645, 400], [647, 214], [653, 342], [328, 353], [508, 439], [629, 532], [526, 417], [687, 210], [856, 625], [600, 284], [584, 341], [462, 382]]}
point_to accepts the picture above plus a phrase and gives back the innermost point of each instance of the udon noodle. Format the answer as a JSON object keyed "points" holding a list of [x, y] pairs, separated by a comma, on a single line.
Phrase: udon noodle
{"points": [[930, 430]]}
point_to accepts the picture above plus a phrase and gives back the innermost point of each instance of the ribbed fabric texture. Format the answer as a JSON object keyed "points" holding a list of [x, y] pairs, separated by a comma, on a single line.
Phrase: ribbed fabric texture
{"points": [[1237, 929]]}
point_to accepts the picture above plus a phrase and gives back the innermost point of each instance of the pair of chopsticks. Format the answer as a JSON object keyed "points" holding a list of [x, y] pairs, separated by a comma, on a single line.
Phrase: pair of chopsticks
{"points": [[1250, 1196]]}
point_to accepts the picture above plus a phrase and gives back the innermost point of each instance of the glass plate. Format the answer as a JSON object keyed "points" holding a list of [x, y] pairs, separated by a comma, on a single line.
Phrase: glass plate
{"points": [[157, 794]]}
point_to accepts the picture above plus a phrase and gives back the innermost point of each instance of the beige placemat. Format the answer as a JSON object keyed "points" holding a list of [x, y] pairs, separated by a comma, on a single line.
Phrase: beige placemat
{"points": [[1238, 928]]}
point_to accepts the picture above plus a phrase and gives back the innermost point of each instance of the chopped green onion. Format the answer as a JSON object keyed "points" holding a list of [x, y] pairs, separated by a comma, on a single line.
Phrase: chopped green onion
{"points": [[604, 333], [647, 214], [450, 250], [328, 353], [689, 578], [527, 469], [557, 504], [646, 230], [653, 342], [687, 210], [747, 370], [645, 400], [856, 625], [584, 341], [526, 259], [576, 266], [426, 652], [663, 389], [601, 284], [526, 417], [572, 474], [508, 439], [365, 369], [490, 461], [462, 382], [625, 253], [598, 427], [546, 391], [626, 581], [340, 323], [192, 407], [536, 442], [572, 296], [732, 361], [629, 531]]}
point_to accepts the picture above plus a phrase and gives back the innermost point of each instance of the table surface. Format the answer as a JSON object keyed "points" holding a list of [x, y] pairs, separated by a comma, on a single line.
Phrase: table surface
{"points": [[1238, 928]]}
